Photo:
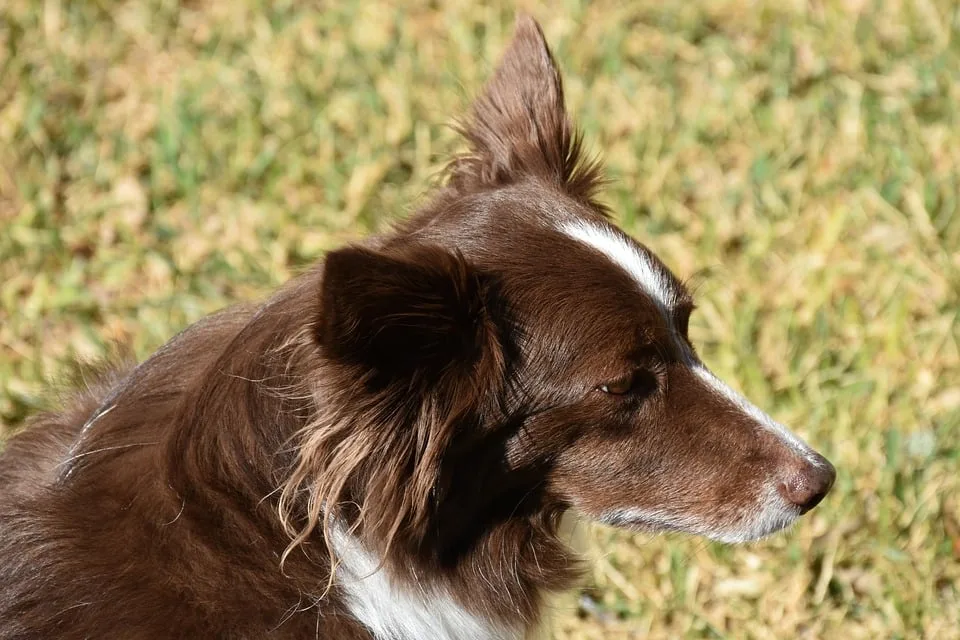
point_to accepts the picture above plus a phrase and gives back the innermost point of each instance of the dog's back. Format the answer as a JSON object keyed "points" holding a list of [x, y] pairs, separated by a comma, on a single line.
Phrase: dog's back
{"points": [[66, 533], [81, 550], [28, 462]]}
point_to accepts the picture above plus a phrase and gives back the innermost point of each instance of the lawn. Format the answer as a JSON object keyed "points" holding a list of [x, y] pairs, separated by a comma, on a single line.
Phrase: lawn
{"points": [[798, 160]]}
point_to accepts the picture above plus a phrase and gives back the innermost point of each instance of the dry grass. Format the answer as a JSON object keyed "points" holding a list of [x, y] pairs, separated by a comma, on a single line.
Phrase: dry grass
{"points": [[800, 158]]}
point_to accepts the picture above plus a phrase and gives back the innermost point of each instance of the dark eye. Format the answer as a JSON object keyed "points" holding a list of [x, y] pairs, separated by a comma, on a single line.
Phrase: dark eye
{"points": [[638, 384], [618, 387]]}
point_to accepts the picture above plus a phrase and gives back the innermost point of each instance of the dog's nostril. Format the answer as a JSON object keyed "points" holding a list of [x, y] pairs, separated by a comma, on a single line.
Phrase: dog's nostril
{"points": [[807, 487]]}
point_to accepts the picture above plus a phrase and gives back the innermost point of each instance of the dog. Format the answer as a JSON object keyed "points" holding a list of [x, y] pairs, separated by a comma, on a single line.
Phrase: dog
{"points": [[385, 448]]}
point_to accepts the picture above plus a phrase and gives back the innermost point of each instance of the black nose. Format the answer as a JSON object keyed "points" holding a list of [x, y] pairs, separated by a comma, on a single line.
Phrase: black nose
{"points": [[808, 485]]}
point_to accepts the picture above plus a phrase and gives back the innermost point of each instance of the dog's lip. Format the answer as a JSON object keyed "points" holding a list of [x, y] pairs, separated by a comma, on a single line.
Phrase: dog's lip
{"points": [[646, 520], [769, 517]]}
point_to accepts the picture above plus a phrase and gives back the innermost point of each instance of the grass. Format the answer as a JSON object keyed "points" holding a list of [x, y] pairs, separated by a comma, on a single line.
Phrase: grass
{"points": [[801, 160]]}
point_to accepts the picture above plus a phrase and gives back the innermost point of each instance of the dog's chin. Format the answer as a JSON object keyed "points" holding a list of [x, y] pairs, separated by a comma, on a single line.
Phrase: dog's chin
{"points": [[752, 525]]}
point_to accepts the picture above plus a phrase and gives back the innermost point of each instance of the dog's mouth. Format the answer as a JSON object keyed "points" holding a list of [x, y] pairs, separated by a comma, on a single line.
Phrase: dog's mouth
{"points": [[771, 514]]}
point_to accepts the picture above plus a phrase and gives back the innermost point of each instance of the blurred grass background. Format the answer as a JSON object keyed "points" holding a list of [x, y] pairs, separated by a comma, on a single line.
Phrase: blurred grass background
{"points": [[801, 159]]}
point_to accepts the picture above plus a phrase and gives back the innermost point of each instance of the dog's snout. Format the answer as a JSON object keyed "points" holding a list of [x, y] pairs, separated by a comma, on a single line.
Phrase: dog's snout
{"points": [[807, 485]]}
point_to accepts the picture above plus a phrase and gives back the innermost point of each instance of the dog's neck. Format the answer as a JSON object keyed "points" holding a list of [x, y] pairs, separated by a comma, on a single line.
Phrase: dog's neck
{"points": [[490, 570], [496, 590], [393, 609]]}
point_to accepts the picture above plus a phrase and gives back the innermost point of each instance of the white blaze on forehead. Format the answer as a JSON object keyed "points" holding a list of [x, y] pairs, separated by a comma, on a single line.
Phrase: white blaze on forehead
{"points": [[655, 283], [628, 257], [751, 410]]}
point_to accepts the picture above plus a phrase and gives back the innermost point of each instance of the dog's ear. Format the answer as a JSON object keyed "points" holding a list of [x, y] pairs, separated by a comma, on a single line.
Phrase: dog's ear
{"points": [[415, 312], [418, 329], [519, 127]]}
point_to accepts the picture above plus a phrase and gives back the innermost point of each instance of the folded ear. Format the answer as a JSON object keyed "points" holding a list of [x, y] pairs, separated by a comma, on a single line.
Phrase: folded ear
{"points": [[519, 126], [418, 311]]}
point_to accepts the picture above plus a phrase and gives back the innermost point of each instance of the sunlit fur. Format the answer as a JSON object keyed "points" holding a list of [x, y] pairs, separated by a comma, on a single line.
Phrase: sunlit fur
{"points": [[386, 447]]}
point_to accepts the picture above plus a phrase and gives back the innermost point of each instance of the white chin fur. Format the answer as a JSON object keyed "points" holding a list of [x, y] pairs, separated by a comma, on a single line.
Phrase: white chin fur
{"points": [[772, 514]]}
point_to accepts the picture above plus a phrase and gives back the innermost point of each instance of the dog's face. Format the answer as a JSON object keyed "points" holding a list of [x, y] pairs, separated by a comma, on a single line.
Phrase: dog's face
{"points": [[639, 432], [515, 301]]}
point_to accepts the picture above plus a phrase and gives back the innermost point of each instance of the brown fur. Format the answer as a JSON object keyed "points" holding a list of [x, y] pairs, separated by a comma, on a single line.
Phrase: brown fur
{"points": [[436, 391]]}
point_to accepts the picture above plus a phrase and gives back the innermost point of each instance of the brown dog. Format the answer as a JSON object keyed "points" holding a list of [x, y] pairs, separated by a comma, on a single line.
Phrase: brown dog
{"points": [[385, 447]]}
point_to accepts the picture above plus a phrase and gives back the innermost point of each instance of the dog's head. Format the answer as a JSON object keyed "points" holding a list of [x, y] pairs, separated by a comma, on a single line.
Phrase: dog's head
{"points": [[510, 341]]}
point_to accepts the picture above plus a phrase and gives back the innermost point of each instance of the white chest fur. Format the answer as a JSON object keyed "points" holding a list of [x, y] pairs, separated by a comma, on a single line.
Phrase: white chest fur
{"points": [[395, 612]]}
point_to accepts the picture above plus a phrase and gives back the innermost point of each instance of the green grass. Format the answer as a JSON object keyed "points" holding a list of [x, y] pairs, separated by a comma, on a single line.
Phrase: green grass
{"points": [[800, 160]]}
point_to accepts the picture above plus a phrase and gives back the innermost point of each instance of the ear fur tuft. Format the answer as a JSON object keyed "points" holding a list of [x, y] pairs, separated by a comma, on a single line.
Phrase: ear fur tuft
{"points": [[519, 126]]}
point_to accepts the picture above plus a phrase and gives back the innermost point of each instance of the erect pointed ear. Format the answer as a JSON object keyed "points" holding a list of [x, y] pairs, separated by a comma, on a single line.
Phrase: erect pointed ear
{"points": [[519, 126], [417, 311]]}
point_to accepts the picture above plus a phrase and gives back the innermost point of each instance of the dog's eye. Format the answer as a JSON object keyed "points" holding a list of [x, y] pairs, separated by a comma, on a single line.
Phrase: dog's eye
{"points": [[618, 387], [638, 385]]}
